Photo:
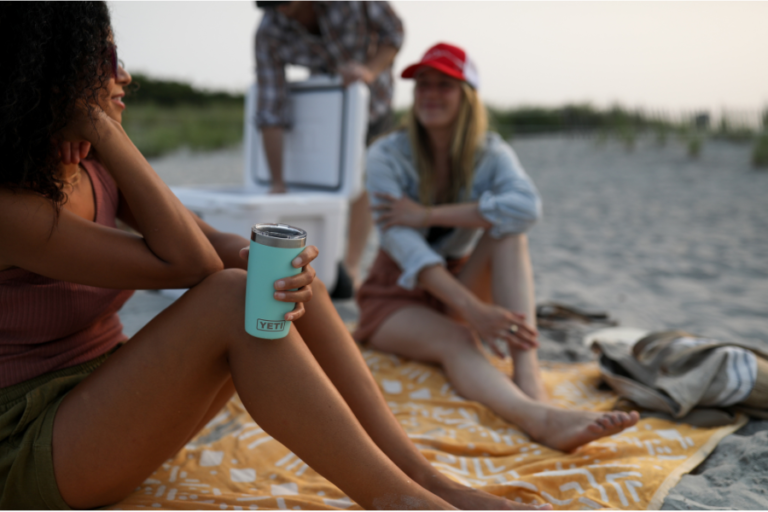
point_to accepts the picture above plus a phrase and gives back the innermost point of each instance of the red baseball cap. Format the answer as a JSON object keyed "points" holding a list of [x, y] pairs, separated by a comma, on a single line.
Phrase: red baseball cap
{"points": [[448, 59]]}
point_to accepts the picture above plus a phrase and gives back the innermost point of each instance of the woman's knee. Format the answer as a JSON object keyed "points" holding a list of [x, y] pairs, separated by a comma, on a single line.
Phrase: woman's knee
{"points": [[518, 240], [514, 241], [318, 288], [230, 281], [224, 290]]}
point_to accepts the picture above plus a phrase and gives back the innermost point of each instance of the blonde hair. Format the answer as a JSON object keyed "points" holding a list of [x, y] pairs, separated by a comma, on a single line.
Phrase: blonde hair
{"points": [[468, 136]]}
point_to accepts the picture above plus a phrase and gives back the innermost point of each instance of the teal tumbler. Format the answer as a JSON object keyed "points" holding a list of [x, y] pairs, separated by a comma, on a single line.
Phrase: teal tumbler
{"points": [[273, 247]]}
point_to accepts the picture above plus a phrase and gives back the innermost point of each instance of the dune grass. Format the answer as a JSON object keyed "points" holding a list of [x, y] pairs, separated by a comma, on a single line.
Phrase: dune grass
{"points": [[165, 115], [158, 129], [760, 152]]}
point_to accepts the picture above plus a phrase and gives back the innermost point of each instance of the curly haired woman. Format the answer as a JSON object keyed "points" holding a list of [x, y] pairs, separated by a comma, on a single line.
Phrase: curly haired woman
{"points": [[84, 418], [453, 206]]}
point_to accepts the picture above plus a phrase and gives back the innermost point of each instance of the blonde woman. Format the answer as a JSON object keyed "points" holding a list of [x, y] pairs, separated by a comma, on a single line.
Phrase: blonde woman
{"points": [[452, 205]]}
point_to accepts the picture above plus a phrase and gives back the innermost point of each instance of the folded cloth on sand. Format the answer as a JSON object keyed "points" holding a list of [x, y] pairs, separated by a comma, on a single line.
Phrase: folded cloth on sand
{"points": [[681, 374], [234, 465]]}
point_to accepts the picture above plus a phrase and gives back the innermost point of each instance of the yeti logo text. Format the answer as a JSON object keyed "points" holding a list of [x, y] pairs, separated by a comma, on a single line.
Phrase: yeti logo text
{"points": [[270, 325]]}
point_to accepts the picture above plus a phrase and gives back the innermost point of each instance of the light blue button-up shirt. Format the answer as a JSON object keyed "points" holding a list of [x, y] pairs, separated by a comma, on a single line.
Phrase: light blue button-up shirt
{"points": [[506, 197]]}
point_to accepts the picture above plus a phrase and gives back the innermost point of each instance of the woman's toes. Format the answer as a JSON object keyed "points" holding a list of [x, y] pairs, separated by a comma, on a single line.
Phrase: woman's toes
{"points": [[606, 421], [620, 418], [596, 427]]}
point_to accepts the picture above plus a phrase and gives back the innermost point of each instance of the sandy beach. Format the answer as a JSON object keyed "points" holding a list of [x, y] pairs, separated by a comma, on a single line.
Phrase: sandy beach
{"points": [[656, 240]]}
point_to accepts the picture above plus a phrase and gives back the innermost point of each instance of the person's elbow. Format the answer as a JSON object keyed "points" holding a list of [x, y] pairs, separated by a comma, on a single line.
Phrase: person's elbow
{"points": [[526, 218], [532, 213], [197, 268], [209, 264], [515, 218]]}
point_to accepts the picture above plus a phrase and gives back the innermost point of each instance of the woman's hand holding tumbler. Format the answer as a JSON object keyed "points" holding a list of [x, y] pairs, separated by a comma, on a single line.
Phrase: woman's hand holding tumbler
{"points": [[296, 288]]}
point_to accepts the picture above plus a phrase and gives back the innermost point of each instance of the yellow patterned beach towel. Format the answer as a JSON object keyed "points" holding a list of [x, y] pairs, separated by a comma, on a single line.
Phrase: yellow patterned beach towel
{"points": [[234, 465]]}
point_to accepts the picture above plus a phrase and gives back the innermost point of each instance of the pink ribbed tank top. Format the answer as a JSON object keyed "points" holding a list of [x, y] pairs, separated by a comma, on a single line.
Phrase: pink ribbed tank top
{"points": [[46, 324]]}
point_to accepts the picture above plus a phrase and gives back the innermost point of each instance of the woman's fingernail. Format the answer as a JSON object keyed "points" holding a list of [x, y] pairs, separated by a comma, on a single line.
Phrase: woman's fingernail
{"points": [[296, 262], [279, 295], [280, 284]]}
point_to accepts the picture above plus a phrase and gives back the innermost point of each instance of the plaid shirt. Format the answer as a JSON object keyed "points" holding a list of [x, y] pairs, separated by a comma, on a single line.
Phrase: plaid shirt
{"points": [[350, 31]]}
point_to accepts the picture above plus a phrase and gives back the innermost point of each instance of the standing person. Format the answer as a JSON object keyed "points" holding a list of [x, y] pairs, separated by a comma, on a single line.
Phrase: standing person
{"points": [[84, 420], [453, 206], [356, 40]]}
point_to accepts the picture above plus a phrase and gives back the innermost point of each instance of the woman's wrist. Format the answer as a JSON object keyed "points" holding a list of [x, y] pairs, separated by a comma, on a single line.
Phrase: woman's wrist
{"points": [[106, 129], [427, 217], [447, 288], [467, 305]]}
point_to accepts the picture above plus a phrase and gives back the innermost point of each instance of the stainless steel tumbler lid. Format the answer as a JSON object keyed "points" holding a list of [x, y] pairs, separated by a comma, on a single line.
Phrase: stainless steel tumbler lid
{"points": [[279, 235]]}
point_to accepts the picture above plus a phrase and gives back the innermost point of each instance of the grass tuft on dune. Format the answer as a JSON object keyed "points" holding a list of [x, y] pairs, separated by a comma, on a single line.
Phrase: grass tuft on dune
{"points": [[158, 129]]}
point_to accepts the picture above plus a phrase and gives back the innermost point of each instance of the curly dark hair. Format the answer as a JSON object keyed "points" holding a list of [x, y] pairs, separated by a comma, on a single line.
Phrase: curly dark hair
{"points": [[54, 54]]}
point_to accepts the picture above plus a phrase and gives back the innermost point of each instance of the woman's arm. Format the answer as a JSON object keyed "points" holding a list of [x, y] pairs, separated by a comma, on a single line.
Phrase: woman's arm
{"points": [[403, 211], [172, 251], [233, 252], [168, 228], [226, 245], [488, 320], [409, 249], [367, 73], [508, 203]]}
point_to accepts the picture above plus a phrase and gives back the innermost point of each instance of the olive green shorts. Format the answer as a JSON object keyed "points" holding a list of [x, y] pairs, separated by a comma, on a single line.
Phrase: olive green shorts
{"points": [[27, 410]]}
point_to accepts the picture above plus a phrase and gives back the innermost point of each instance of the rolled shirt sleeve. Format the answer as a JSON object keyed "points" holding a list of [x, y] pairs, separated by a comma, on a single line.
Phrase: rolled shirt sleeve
{"points": [[512, 203], [272, 93], [405, 245], [410, 251], [383, 21]]}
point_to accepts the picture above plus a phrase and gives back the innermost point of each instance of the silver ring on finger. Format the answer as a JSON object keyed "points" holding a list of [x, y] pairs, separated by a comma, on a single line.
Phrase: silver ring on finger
{"points": [[513, 329]]}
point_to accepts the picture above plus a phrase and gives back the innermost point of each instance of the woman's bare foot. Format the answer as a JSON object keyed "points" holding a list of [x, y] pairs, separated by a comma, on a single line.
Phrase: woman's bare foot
{"points": [[566, 430], [467, 498]]}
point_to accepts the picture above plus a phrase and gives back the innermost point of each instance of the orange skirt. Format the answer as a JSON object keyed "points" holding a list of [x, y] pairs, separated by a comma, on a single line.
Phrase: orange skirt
{"points": [[380, 296]]}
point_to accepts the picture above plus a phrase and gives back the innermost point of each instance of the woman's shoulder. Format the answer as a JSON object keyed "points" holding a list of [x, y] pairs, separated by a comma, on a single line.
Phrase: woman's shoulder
{"points": [[493, 144], [394, 147], [393, 142], [93, 164], [26, 217], [496, 151], [15, 202], [102, 179]]}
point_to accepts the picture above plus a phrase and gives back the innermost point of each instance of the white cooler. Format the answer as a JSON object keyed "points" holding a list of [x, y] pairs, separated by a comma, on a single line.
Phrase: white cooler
{"points": [[323, 158]]}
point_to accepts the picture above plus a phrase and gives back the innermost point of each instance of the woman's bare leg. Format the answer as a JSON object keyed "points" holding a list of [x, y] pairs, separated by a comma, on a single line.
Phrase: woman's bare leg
{"points": [[423, 334], [360, 226], [332, 345], [122, 422], [223, 396], [500, 271]]}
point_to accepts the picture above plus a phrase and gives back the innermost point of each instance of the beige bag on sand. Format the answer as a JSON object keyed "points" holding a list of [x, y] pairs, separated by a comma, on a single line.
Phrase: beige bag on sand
{"points": [[697, 380]]}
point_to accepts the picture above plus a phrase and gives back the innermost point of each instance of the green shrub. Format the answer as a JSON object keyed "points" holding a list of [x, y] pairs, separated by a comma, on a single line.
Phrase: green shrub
{"points": [[158, 129], [733, 132], [760, 152], [628, 136], [144, 90], [694, 145]]}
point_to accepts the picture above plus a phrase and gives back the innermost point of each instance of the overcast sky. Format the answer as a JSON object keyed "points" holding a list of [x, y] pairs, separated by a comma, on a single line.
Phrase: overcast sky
{"points": [[679, 56]]}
